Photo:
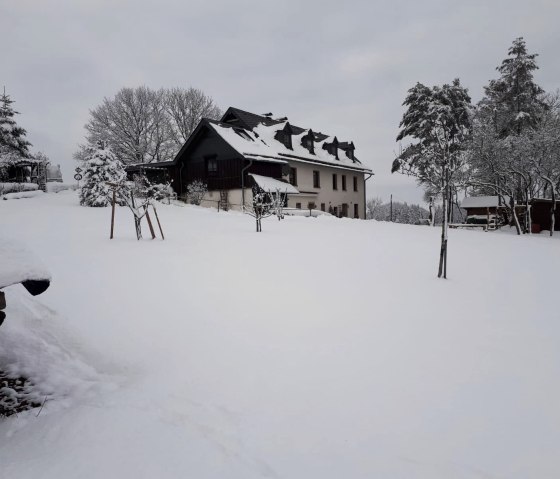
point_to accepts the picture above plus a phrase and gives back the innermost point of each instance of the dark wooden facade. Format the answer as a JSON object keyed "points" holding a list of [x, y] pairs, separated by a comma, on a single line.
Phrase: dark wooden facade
{"points": [[540, 215], [209, 158]]}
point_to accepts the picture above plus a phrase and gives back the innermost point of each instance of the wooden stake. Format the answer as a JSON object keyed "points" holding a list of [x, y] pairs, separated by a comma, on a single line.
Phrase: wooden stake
{"points": [[113, 212], [150, 224], [159, 224]]}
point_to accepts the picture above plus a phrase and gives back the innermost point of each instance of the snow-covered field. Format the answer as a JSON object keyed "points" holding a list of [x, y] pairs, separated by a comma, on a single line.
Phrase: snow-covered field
{"points": [[320, 348]]}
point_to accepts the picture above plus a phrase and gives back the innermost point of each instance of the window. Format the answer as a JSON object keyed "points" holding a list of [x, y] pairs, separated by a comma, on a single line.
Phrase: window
{"points": [[316, 179], [334, 182], [344, 212], [343, 182], [356, 213], [307, 142], [322, 206], [293, 176], [355, 183], [335, 211], [211, 166], [287, 140], [298, 206]]}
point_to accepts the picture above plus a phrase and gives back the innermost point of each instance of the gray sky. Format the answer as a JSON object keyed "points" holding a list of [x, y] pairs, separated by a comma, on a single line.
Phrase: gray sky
{"points": [[341, 67]]}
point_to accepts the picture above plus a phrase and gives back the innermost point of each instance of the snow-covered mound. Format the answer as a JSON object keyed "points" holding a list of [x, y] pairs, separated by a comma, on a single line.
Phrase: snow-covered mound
{"points": [[22, 194], [319, 348], [19, 265]]}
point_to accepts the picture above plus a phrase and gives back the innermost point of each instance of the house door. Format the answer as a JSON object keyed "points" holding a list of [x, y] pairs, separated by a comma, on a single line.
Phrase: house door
{"points": [[345, 210]]}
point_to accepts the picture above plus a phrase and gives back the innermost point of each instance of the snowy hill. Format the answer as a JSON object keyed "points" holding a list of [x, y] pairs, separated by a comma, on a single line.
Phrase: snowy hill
{"points": [[320, 348]]}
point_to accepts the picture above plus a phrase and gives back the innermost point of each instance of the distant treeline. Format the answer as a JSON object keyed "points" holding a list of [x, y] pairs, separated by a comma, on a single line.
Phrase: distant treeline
{"points": [[407, 213]]}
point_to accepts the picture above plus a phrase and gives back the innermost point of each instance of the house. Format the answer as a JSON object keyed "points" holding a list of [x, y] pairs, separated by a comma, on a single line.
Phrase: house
{"points": [[485, 209], [231, 155], [17, 169], [481, 209]]}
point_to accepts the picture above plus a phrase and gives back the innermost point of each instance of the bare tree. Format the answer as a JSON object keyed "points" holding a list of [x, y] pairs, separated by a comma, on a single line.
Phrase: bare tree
{"points": [[185, 109], [142, 125], [372, 205]]}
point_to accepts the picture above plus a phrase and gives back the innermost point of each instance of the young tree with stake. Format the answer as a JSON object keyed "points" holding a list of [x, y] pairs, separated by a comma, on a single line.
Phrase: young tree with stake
{"points": [[439, 119]]}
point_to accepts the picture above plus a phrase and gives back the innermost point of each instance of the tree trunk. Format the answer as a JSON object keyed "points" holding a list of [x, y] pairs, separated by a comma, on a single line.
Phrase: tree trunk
{"points": [[528, 217], [514, 214], [442, 270], [432, 219], [137, 224], [553, 212]]}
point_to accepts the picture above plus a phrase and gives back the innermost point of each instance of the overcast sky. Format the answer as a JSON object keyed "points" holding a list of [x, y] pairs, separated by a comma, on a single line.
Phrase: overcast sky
{"points": [[340, 67]]}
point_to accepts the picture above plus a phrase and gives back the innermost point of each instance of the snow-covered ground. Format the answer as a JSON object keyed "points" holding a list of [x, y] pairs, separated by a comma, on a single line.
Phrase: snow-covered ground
{"points": [[320, 348]]}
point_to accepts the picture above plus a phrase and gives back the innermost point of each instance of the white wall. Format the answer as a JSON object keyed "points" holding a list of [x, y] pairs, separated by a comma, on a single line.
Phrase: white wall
{"points": [[325, 194]]}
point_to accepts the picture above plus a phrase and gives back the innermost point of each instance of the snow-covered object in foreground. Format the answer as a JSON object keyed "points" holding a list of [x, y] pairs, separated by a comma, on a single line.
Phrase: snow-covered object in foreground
{"points": [[19, 265]]}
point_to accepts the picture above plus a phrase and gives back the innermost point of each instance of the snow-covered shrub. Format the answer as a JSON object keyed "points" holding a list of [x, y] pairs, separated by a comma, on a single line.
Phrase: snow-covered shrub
{"points": [[160, 191], [17, 187], [22, 194], [196, 191], [17, 394], [55, 187], [100, 167]]}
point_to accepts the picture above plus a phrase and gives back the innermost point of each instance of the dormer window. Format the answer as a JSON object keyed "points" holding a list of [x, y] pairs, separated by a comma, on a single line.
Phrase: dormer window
{"points": [[288, 140], [350, 151], [334, 148], [285, 136], [307, 142]]}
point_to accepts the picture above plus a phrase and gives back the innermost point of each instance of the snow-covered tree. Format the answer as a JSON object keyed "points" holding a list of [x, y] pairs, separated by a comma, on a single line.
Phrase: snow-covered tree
{"points": [[262, 206], [12, 136], [372, 206], [196, 191], [439, 120], [513, 101], [503, 154], [100, 167], [402, 212]]}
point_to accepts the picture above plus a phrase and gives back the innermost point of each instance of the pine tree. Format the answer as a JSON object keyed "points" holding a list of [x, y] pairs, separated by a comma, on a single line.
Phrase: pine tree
{"points": [[513, 101], [100, 167], [12, 136]]}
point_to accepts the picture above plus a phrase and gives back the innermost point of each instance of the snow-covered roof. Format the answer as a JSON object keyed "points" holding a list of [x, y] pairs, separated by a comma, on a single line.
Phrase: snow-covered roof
{"points": [[260, 143], [19, 265], [482, 202], [271, 185], [246, 143]]}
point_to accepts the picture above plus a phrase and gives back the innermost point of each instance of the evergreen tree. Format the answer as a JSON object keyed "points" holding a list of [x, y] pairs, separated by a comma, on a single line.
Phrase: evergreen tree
{"points": [[12, 136], [101, 166], [513, 101]]}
